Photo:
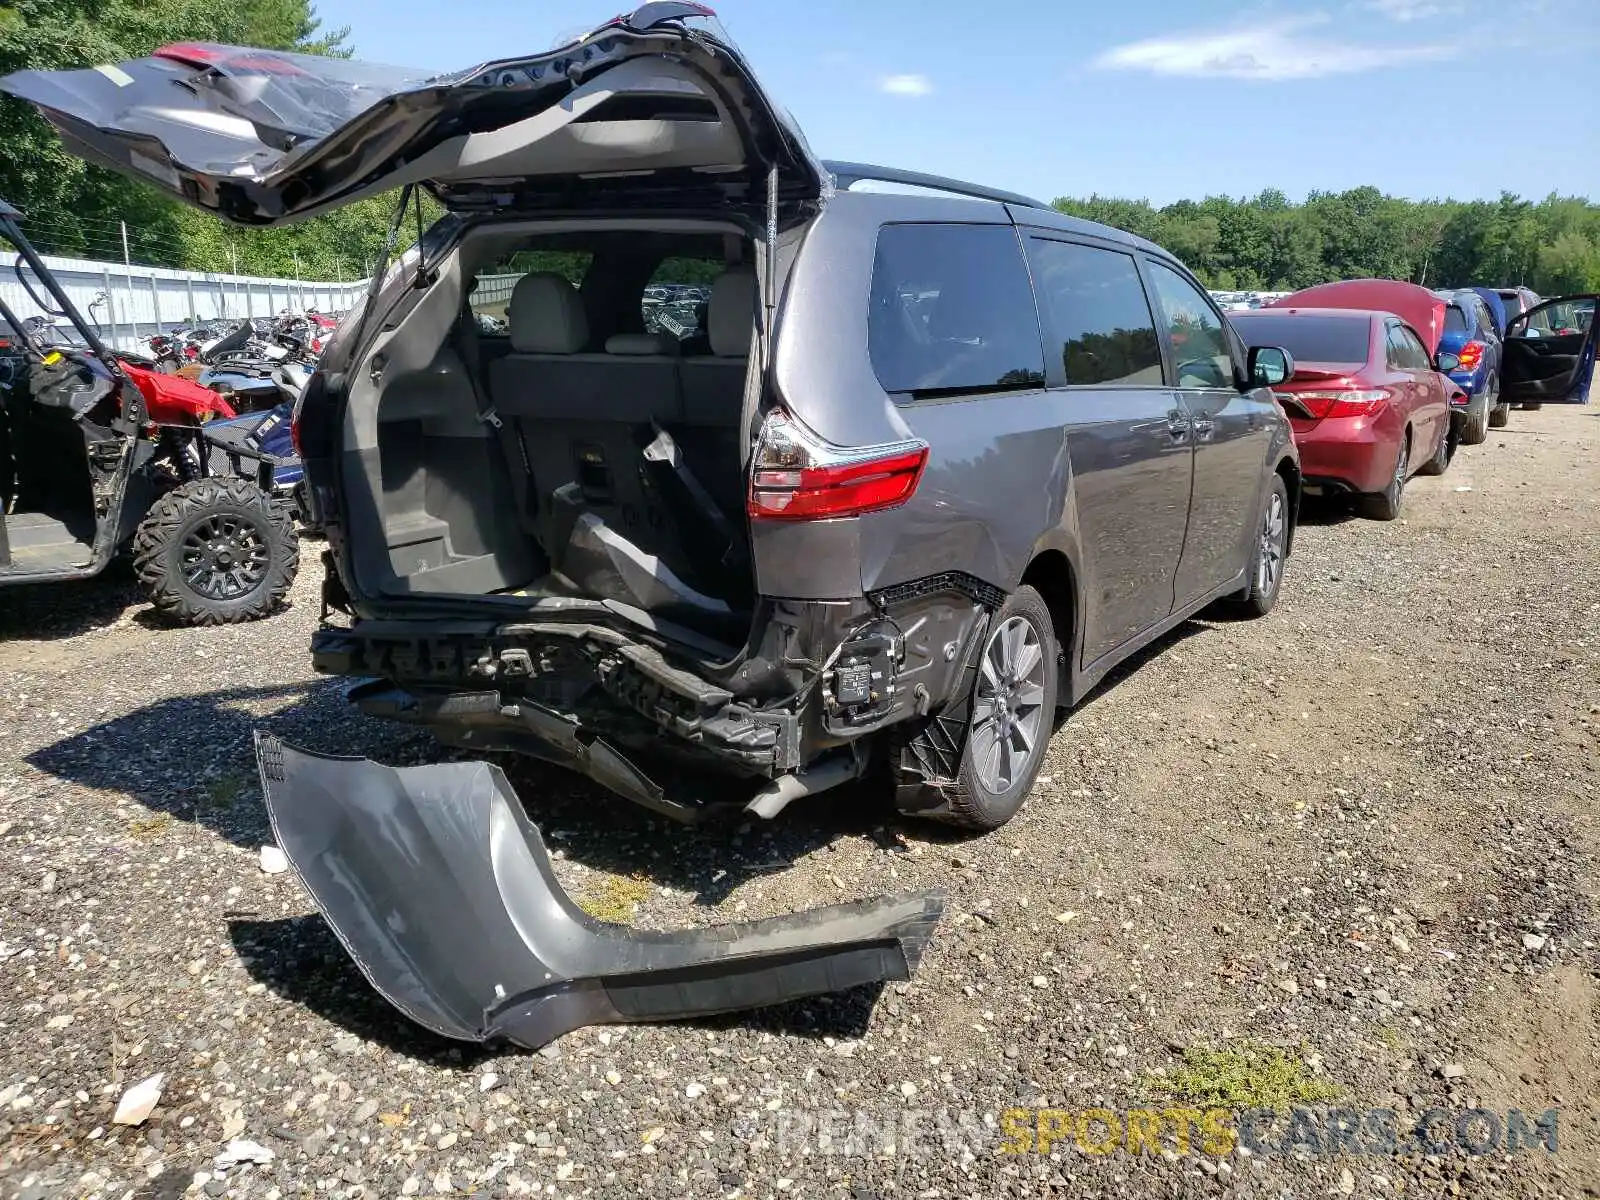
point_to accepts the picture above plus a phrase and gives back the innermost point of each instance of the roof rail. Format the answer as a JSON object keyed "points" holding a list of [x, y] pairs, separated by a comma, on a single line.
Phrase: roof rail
{"points": [[847, 173]]}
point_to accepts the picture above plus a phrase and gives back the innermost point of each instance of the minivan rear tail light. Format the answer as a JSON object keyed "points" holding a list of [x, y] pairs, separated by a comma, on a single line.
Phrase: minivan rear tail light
{"points": [[1470, 354], [796, 476], [1342, 402]]}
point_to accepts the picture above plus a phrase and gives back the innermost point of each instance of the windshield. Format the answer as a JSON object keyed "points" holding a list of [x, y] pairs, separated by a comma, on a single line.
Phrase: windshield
{"points": [[1513, 303], [1311, 339]]}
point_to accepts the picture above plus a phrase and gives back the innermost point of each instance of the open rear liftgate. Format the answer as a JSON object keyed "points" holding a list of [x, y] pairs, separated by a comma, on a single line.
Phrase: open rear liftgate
{"points": [[441, 890]]}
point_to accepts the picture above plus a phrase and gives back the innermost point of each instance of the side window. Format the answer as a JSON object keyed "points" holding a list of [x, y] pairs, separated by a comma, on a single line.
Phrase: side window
{"points": [[493, 285], [952, 311], [1395, 354], [676, 299], [1416, 352], [1096, 314], [1199, 342]]}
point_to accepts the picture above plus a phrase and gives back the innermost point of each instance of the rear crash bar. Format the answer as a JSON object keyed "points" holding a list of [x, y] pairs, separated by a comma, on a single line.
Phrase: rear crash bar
{"points": [[439, 886]]}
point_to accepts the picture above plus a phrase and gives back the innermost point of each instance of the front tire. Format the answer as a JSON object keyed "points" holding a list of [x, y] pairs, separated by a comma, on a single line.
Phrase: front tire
{"points": [[1004, 730], [1271, 554], [216, 551], [1385, 505], [1440, 462], [1532, 405]]}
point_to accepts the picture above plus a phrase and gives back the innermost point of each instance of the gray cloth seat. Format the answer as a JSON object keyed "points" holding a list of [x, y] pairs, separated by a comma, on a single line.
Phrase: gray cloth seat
{"points": [[713, 386], [711, 434]]}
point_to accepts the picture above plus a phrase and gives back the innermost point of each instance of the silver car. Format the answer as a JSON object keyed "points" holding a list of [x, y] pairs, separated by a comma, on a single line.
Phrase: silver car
{"points": [[934, 461]]}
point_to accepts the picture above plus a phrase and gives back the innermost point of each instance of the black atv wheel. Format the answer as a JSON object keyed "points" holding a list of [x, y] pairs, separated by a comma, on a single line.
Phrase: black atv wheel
{"points": [[216, 551]]}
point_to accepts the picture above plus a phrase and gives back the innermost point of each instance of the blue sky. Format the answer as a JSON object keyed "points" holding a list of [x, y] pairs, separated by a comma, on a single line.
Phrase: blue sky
{"points": [[1163, 99]]}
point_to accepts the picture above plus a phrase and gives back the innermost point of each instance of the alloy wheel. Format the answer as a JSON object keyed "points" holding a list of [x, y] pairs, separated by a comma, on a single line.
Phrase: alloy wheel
{"points": [[224, 557], [1008, 715], [1269, 560]]}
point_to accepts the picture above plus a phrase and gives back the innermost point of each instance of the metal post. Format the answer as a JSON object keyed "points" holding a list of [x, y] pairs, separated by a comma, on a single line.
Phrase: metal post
{"points": [[188, 287], [127, 262], [155, 299], [111, 304], [299, 283]]}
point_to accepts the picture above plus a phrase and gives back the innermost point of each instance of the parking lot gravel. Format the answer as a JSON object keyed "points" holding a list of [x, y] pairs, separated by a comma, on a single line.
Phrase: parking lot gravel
{"points": [[1362, 831]]}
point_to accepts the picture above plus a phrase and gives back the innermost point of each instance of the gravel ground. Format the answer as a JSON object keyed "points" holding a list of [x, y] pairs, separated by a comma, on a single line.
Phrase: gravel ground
{"points": [[1362, 830]]}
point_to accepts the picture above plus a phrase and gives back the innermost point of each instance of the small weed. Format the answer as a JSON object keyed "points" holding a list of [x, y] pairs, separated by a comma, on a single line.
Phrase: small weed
{"points": [[1389, 1037], [1246, 1075], [614, 898], [148, 829]]}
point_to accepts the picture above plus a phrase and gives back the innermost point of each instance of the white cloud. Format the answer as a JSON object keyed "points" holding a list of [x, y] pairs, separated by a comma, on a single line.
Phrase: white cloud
{"points": [[1278, 50], [906, 85], [1414, 10]]}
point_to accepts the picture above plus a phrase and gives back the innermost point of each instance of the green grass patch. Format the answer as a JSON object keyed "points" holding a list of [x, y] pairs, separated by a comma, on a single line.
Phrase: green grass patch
{"points": [[1245, 1075], [613, 898], [148, 829]]}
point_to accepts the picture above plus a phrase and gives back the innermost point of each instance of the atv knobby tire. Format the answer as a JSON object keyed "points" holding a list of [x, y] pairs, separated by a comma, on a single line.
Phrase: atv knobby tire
{"points": [[216, 551]]}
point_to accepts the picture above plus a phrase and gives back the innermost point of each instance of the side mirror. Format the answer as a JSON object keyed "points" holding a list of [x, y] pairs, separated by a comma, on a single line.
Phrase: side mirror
{"points": [[1446, 362], [1270, 366]]}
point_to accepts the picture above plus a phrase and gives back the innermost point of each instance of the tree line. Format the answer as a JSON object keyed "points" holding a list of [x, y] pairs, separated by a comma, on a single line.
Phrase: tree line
{"points": [[1271, 244], [1264, 242]]}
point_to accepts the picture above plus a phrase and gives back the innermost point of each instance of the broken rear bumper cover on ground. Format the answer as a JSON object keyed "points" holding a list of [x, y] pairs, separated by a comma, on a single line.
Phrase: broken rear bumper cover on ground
{"points": [[441, 890]]}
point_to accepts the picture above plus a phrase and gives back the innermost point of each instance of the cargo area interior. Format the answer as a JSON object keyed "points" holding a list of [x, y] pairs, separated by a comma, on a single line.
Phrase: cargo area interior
{"points": [[562, 413]]}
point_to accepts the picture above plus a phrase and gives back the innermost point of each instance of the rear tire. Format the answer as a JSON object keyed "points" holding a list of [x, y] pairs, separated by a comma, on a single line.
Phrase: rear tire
{"points": [[1499, 416], [1385, 505], [973, 765], [1475, 430], [216, 551], [1532, 405]]}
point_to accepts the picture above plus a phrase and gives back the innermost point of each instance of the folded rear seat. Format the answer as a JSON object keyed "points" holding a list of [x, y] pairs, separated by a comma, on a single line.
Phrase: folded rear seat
{"points": [[583, 419]]}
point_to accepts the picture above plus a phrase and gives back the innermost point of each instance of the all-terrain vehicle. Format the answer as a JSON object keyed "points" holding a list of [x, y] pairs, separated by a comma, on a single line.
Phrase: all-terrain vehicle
{"points": [[100, 456]]}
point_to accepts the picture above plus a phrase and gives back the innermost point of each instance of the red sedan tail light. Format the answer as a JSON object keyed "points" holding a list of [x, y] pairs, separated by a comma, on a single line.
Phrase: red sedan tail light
{"points": [[1341, 402]]}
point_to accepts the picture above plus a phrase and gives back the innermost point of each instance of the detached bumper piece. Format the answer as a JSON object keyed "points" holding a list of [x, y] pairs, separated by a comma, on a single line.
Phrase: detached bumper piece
{"points": [[441, 890]]}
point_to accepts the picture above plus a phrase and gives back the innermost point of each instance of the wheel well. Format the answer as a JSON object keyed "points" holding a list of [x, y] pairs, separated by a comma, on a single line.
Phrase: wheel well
{"points": [[1290, 471], [1050, 574]]}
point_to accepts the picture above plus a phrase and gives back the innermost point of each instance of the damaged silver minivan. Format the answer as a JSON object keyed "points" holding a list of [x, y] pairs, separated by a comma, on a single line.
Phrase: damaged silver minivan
{"points": [[926, 466]]}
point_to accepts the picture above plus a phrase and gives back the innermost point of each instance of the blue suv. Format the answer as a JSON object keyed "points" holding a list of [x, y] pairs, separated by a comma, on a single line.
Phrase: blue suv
{"points": [[1473, 336]]}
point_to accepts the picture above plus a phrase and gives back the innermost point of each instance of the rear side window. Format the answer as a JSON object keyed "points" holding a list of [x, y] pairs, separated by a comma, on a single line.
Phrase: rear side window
{"points": [[1096, 315], [1199, 344], [1309, 339], [952, 311], [1455, 321]]}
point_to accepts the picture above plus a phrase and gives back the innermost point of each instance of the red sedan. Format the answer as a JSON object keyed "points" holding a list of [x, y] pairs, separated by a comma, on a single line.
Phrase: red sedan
{"points": [[1368, 408]]}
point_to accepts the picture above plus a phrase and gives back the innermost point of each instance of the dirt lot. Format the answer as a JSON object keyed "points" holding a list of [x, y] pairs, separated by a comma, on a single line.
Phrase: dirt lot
{"points": [[1362, 831]]}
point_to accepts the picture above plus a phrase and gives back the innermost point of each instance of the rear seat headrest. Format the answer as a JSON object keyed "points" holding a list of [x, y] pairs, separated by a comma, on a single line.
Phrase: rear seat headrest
{"points": [[731, 314], [651, 345], [546, 315]]}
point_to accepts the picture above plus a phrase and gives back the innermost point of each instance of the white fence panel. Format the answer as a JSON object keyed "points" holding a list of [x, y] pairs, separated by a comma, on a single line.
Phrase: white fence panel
{"points": [[132, 303]]}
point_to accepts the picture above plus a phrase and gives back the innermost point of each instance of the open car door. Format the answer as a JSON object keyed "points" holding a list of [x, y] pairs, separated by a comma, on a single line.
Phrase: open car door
{"points": [[657, 107], [1549, 353]]}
